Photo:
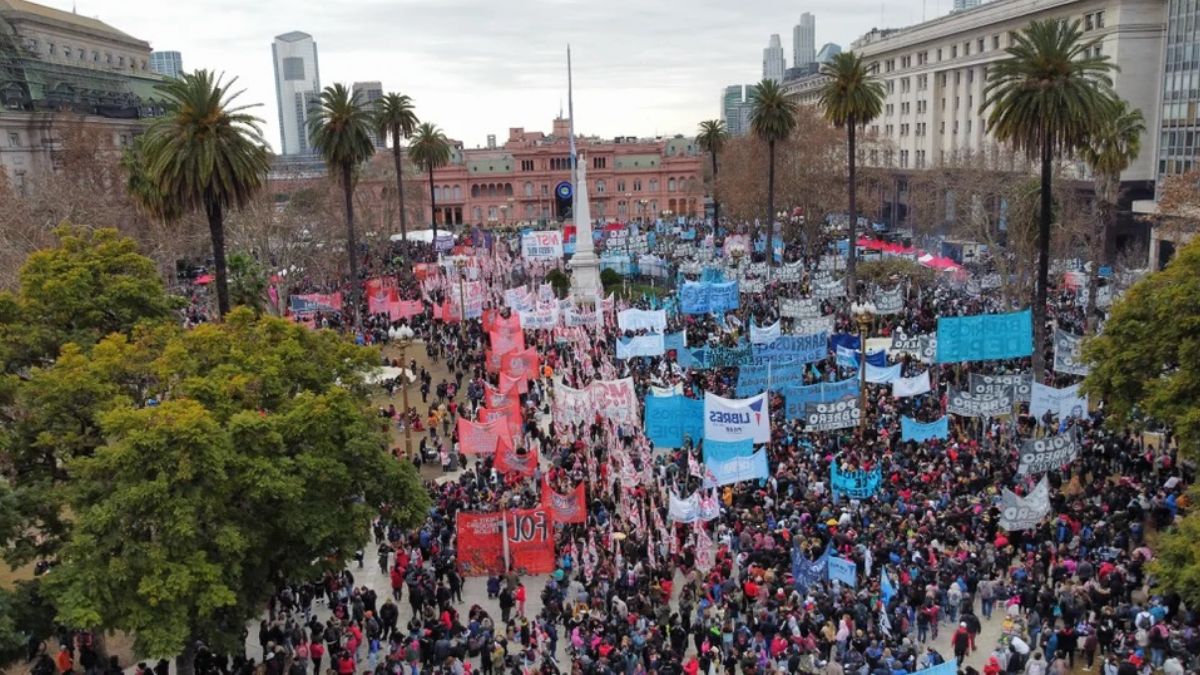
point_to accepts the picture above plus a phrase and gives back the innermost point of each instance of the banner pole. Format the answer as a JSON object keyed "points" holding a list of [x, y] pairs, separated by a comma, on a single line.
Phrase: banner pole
{"points": [[504, 535]]}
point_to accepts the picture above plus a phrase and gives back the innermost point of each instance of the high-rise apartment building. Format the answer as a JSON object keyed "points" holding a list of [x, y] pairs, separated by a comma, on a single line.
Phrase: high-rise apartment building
{"points": [[735, 108], [367, 94], [828, 51], [169, 64], [774, 62], [297, 88], [804, 41]]}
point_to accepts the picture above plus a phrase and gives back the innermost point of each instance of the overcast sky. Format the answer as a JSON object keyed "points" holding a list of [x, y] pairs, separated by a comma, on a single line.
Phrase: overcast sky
{"points": [[474, 67]]}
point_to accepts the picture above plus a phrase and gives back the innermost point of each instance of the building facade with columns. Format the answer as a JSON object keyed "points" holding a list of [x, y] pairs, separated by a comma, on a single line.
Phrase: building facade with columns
{"points": [[513, 184]]}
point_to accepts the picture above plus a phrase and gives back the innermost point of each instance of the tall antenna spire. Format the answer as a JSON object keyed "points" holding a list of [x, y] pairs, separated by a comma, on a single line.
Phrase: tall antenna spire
{"points": [[571, 113]]}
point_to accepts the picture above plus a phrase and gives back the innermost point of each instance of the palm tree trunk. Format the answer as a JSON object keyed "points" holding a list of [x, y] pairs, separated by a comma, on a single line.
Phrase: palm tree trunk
{"points": [[432, 208], [1106, 190], [351, 243], [716, 204], [399, 182], [216, 231], [770, 206], [1041, 290], [852, 225]]}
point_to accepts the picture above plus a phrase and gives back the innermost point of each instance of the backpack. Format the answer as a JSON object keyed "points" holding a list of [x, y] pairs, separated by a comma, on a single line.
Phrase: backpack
{"points": [[1143, 621]]}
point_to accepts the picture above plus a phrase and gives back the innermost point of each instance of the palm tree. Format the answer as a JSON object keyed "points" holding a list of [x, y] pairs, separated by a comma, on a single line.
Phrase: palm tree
{"points": [[205, 153], [1044, 100], [430, 149], [142, 189], [850, 98], [712, 139], [773, 119], [1112, 147], [395, 117], [340, 129]]}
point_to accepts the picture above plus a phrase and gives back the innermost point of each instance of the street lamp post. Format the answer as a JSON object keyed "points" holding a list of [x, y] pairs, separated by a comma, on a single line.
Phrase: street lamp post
{"points": [[404, 339], [864, 314], [510, 215]]}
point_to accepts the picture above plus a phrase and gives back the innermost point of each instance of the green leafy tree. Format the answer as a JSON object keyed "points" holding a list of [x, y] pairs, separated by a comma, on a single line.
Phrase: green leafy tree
{"points": [[772, 118], [143, 189], [1044, 100], [221, 472], [1112, 147], [430, 149], [247, 282], [396, 117], [340, 129], [1146, 366], [206, 153], [711, 139], [851, 98], [93, 283]]}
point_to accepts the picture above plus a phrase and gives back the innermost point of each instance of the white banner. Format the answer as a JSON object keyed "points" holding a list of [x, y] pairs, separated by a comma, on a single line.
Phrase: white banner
{"points": [[923, 347], [691, 509], [820, 324], [614, 399], [765, 335], [1024, 513], [882, 374], [1064, 403], [642, 319], [916, 385], [640, 345], [967, 404], [828, 291], [832, 415], [888, 302], [518, 299], [790, 273], [539, 318], [544, 244], [1067, 354], [572, 406], [727, 419], [800, 308], [664, 392]]}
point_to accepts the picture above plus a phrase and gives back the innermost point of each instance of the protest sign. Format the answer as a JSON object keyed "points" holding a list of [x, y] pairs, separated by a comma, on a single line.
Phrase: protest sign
{"points": [[923, 347], [835, 415], [882, 374], [1068, 354], [807, 572], [757, 378], [542, 245], [640, 345], [764, 335], [614, 399], [530, 540], [903, 387], [820, 324], [888, 302], [480, 543], [475, 438], [1017, 385], [800, 308], [736, 469], [965, 404], [843, 570], [795, 348], [984, 337], [1040, 455], [727, 419], [511, 459], [1024, 513], [855, 484], [912, 430], [1063, 403], [568, 508], [642, 319], [797, 398], [669, 419]]}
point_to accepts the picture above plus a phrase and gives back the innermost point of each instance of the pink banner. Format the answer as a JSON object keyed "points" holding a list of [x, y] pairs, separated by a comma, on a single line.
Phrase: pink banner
{"points": [[505, 340], [568, 508], [405, 309], [510, 412], [492, 397], [482, 438], [522, 364], [511, 460], [511, 386]]}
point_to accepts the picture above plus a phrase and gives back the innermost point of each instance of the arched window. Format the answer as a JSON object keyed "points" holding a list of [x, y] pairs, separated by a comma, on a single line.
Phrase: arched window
{"points": [[437, 194], [491, 189], [528, 189], [621, 210], [600, 186], [458, 193], [637, 185], [529, 211], [446, 192], [475, 190], [508, 191], [654, 185], [671, 185], [478, 214], [492, 213]]}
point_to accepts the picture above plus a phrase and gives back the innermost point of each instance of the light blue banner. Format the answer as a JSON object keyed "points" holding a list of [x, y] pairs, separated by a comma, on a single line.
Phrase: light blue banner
{"points": [[797, 398], [912, 430], [802, 348], [984, 337], [855, 484], [881, 375], [723, 451], [843, 570], [669, 418], [676, 341], [705, 297], [754, 378], [807, 572], [640, 345], [886, 589], [946, 668], [735, 469]]}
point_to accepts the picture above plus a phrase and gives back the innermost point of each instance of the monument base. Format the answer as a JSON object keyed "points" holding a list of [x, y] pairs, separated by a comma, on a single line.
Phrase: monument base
{"points": [[585, 278]]}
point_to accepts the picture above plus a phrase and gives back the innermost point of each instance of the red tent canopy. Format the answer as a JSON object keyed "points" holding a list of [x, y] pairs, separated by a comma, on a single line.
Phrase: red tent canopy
{"points": [[204, 279]]}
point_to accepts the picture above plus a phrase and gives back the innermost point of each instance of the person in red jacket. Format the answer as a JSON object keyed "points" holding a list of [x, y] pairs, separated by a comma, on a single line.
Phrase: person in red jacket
{"points": [[519, 596]]}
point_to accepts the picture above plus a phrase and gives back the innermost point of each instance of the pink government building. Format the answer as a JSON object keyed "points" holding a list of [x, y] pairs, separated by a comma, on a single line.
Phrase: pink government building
{"points": [[513, 183]]}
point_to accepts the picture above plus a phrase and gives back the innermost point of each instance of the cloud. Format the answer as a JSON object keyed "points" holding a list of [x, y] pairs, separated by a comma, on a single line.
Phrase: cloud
{"points": [[480, 66]]}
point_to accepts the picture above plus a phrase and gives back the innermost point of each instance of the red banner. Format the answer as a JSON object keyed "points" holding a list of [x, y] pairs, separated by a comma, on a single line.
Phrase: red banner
{"points": [[480, 543], [381, 299], [491, 360], [509, 460], [424, 270], [488, 320], [492, 397], [530, 540], [511, 412], [512, 386], [404, 309], [522, 364], [568, 508], [506, 340], [475, 438]]}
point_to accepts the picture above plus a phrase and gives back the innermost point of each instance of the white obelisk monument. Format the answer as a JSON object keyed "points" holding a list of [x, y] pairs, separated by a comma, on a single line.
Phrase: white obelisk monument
{"points": [[585, 267]]}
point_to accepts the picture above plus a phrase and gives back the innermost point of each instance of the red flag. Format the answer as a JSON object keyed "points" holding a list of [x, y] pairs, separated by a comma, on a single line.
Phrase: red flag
{"points": [[482, 438], [568, 508], [508, 460], [522, 364], [512, 386], [511, 412]]}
